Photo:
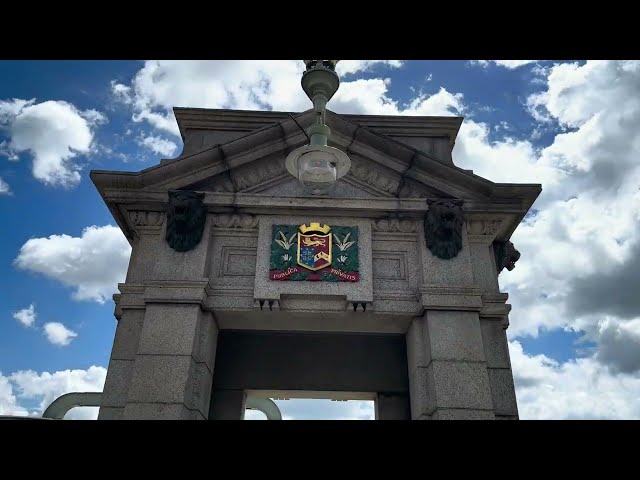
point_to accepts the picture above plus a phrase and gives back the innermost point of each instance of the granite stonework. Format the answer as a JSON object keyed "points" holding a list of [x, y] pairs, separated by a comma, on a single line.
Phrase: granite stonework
{"points": [[199, 329]]}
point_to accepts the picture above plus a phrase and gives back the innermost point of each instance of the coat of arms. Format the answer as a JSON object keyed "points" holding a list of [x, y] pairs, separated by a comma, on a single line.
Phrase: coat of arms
{"points": [[314, 246], [314, 252]]}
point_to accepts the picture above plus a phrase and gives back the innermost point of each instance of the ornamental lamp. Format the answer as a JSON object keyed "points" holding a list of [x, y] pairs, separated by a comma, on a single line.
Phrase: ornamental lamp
{"points": [[318, 166]]}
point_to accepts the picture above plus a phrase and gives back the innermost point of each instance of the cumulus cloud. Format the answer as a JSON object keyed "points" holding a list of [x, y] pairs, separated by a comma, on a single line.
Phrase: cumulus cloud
{"points": [[26, 316], [8, 401], [237, 84], [4, 187], [54, 133], [319, 409], [93, 264], [577, 389], [158, 145], [58, 334], [510, 64], [45, 387]]}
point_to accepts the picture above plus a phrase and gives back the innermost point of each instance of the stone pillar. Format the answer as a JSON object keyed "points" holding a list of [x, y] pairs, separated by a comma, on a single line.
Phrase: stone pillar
{"points": [[173, 368], [123, 354], [163, 356], [448, 376], [494, 317]]}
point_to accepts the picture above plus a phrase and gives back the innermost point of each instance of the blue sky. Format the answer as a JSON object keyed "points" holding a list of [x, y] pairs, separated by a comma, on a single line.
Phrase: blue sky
{"points": [[572, 126]]}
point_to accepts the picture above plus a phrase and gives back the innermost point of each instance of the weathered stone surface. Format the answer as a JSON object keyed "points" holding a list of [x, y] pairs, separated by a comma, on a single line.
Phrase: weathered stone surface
{"points": [[116, 385], [455, 336], [125, 344], [157, 411], [462, 414], [503, 391], [160, 378], [111, 413], [198, 394], [496, 348], [422, 389], [484, 274], [461, 385], [169, 329]]}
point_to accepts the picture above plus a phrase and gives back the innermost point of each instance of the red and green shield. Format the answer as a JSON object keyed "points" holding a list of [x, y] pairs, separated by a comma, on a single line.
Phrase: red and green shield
{"points": [[314, 251]]}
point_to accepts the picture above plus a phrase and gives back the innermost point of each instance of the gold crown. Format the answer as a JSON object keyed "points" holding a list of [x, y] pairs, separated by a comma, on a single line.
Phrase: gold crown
{"points": [[315, 227]]}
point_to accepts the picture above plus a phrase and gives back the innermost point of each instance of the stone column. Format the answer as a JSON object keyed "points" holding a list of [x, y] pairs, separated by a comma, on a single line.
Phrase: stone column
{"points": [[448, 377], [494, 317], [130, 314], [173, 367]]}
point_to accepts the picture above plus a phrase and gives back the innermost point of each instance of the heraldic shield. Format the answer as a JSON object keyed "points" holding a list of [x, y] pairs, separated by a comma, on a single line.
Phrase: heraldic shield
{"points": [[314, 251]]}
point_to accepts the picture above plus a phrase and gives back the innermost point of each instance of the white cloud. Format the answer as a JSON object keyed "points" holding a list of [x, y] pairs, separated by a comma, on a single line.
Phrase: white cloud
{"points": [[26, 316], [239, 84], [345, 67], [158, 145], [58, 334], [45, 387], [54, 133], [578, 389], [319, 409], [510, 64], [4, 187], [93, 263], [8, 401]]}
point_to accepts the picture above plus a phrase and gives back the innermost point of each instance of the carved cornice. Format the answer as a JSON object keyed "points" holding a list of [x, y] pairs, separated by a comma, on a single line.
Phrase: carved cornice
{"points": [[395, 225], [235, 221], [482, 231], [255, 173], [482, 227], [146, 222], [365, 172]]}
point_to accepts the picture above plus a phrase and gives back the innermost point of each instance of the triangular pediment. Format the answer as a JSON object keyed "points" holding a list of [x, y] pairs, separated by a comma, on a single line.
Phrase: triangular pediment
{"points": [[254, 163], [245, 166]]}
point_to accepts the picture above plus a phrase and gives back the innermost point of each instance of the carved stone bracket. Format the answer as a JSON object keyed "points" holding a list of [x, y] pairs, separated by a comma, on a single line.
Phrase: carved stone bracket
{"points": [[394, 225], [357, 306], [235, 221], [266, 305]]}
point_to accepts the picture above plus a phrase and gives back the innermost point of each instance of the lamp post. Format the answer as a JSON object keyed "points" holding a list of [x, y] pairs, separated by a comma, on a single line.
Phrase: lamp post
{"points": [[318, 166]]}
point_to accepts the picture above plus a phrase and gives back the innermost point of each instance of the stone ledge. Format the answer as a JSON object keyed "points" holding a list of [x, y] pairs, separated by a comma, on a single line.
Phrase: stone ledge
{"points": [[177, 292], [450, 297]]}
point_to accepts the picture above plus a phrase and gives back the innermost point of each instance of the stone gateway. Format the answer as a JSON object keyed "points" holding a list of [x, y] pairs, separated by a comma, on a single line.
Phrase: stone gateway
{"points": [[242, 283]]}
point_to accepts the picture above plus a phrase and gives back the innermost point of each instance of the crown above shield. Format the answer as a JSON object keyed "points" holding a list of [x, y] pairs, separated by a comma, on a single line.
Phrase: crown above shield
{"points": [[315, 227]]}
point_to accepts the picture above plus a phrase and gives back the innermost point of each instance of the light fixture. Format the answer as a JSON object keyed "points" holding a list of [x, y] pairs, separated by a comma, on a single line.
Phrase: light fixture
{"points": [[318, 166]]}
